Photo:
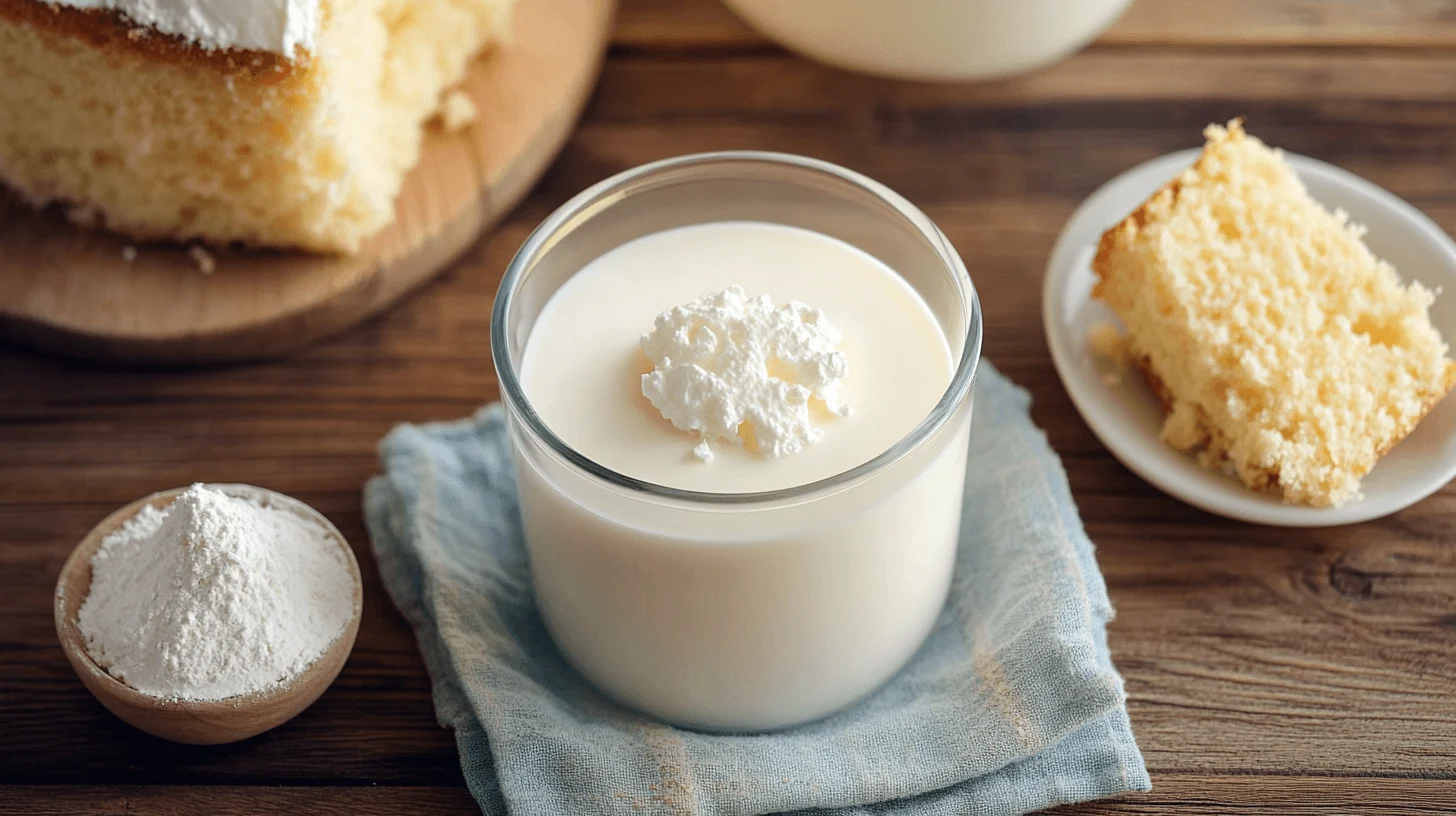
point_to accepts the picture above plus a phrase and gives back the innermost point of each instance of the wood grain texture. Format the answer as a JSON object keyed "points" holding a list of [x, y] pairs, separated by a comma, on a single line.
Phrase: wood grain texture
{"points": [[71, 290], [1269, 671], [1176, 795], [1399, 23]]}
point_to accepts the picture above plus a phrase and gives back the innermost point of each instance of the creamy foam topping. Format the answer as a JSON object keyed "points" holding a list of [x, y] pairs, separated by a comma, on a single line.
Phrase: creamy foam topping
{"points": [[280, 26], [737, 369]]}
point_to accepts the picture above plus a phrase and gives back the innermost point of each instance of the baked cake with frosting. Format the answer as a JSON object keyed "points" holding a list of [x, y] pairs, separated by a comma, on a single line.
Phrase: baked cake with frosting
{"points": [[285, 123]]}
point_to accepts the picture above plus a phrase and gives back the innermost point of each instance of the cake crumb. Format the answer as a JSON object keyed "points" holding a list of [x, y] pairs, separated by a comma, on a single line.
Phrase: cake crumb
{"points": [[206, 264], [85, 215], [1276, 341], [457, 111], [1108, 343], [128, 253]]}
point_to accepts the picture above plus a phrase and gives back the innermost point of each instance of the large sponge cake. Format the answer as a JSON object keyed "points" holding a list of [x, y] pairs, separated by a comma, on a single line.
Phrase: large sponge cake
{"points": [[1281, 347], [156, 136]]}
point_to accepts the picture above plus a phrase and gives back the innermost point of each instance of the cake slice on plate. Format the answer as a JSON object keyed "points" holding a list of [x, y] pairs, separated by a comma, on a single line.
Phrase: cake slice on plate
{"points": [[1281, 348], [268, 122]]}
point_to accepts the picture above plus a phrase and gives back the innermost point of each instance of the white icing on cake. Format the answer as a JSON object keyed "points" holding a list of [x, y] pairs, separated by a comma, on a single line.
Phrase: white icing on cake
{"points": [[727, 360], [280, 26]]}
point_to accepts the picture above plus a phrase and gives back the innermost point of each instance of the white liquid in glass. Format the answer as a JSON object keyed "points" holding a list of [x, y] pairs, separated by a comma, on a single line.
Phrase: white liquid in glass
{"points": [[582, 369]]}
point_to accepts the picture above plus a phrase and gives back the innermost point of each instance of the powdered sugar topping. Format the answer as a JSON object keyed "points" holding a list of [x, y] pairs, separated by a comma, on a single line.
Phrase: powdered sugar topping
{"points": [[214, 596], [746, 373]]}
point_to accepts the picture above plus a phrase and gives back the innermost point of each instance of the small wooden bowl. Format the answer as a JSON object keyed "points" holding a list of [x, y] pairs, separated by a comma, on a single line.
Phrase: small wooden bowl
{"points": [[206, 722]]}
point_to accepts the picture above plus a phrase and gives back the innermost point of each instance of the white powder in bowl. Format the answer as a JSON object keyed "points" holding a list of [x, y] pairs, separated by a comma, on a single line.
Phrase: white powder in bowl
{"points": [[214, 596]]}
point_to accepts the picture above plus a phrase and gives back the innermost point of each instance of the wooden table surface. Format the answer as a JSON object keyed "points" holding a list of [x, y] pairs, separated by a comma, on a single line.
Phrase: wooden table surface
{"points": [[1283, 671]]}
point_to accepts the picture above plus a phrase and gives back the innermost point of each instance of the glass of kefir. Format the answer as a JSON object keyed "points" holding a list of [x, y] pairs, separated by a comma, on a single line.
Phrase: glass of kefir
{"points": [[790, 565], [932, 39]]}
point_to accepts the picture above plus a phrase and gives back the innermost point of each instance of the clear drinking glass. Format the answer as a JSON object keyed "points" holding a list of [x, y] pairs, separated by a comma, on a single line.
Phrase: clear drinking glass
{"points": [[741, 611]]}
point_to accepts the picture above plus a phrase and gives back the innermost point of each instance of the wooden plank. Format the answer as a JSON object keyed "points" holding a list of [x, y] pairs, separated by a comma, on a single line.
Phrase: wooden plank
{"points": [[680, 25], [236, 801], [707, 24], [1397, 23], [1171, 794], [1300, 651], [1276, 794], [716, 92]]}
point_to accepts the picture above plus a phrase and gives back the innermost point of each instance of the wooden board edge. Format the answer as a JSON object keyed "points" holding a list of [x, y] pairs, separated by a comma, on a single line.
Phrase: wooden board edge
{"points": [[370, 294]]}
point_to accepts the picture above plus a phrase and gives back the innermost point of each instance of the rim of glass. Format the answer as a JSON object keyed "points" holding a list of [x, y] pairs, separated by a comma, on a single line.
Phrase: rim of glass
{"points": [[514, 394]]}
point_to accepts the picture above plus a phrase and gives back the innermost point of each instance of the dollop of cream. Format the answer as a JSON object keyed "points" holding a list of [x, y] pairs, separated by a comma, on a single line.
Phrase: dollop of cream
{"points": [[739, 370]]}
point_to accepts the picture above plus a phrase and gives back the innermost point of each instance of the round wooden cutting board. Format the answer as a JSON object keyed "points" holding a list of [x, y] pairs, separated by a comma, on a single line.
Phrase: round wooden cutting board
{"points": [[70, 289]]}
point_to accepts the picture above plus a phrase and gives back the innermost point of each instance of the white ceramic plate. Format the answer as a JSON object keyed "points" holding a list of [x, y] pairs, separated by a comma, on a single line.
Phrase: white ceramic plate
{"points": [[1126, 416]]}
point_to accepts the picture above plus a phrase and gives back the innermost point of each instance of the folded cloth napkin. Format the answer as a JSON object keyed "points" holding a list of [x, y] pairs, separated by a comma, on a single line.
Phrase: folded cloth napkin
{"points": [[1013, 704]]}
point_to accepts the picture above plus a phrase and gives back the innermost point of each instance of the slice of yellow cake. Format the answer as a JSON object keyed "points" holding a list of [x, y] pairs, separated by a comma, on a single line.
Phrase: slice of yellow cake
{"points": [[266, 122], [1281, 348]]}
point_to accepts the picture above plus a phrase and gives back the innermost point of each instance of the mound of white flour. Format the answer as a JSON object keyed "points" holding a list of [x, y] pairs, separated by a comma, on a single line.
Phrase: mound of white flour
{"points": [[215, 596]]}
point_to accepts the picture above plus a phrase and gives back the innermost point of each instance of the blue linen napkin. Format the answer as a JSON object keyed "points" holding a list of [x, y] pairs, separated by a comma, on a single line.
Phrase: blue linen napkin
{"points": [[1012, 706]]}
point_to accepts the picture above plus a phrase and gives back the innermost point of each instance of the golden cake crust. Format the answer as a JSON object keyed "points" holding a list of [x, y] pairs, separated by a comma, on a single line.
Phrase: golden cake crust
{"points": [[155, 137]]}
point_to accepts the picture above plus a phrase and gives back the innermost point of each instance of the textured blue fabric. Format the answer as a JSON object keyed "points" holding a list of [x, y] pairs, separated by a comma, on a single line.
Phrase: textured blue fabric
{"points": [[1013, 705]]}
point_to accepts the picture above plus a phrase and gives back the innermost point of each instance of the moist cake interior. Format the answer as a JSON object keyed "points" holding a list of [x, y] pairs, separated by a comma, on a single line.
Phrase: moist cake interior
{"points": [[151, 136]]}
